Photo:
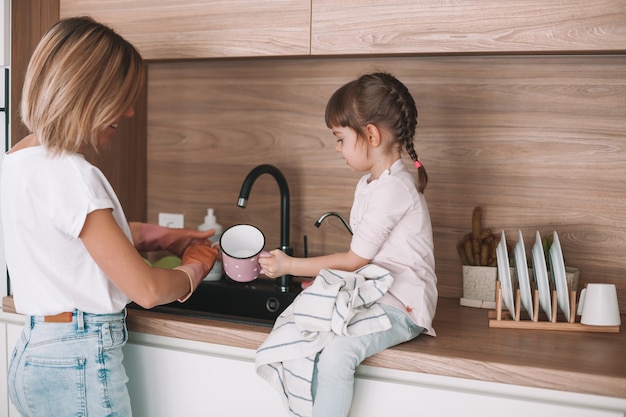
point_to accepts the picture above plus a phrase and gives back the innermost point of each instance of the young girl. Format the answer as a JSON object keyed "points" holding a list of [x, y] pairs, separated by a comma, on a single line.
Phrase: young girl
{"points": [[374, 119], [72, 257]]}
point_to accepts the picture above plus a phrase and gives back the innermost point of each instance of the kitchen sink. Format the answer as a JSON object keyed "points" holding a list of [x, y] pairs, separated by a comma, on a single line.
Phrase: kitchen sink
{"points": [[258, 302]]}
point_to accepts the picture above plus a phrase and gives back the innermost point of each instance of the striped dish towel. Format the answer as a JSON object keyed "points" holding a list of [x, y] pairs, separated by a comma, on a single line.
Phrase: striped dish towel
{"points": [[337, 303]]}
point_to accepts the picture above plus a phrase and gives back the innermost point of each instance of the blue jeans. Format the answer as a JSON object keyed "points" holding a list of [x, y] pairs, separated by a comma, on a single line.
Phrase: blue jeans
{"points": [[333, 376], [71, 369]]}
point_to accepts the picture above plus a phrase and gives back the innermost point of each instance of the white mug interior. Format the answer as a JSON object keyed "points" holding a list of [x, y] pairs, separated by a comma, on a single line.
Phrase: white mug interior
{"points": [[242, 241]]}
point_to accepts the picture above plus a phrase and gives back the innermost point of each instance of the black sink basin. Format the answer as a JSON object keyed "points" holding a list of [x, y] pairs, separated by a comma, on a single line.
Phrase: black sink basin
{"points": [[257, 302]]}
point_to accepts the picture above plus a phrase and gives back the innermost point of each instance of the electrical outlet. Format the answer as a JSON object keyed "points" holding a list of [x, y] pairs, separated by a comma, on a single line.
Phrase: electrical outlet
{"points": [[173, 220]]}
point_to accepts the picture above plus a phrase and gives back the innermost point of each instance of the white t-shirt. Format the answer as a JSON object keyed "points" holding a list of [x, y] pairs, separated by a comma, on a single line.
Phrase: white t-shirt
{"points": [[391, 226], [44, 202]]}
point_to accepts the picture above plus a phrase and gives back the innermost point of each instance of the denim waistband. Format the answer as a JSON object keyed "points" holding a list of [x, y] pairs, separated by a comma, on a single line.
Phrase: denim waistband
{"points": [[79, 316]]}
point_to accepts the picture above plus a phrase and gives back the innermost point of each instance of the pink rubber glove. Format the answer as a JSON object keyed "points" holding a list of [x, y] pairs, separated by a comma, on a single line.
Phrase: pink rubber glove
{"points": [[198, 259], [153, 238]]}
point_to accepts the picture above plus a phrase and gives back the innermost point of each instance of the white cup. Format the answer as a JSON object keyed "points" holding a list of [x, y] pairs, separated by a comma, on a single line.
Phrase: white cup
{"points": [[598, 305]]}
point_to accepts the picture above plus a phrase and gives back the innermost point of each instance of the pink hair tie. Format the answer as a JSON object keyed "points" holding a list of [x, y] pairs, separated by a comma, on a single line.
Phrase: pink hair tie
{"points": [[418, 164]]}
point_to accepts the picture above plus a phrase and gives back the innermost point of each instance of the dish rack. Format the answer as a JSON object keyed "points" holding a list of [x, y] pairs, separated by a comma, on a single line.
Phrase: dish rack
{"points": [[502, 319]]}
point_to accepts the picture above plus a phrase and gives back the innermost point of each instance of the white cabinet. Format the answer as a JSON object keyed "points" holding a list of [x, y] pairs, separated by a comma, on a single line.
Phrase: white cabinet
{"points": [[175, 377], [170, 377], [4, 396], [380, 391], [10, 330]]}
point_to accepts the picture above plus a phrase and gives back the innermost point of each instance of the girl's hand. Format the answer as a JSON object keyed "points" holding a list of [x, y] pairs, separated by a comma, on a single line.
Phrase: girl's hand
{"points": [[275, 263]]}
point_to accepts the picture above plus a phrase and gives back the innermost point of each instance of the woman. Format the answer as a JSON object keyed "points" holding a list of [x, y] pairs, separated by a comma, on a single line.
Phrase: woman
{"points": [[72, 256]]}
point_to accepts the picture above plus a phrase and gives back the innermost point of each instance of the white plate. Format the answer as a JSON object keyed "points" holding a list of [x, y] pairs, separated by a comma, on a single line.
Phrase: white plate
{"points": [[560, 279], [541, 276], [521, 264], [504, 275]]}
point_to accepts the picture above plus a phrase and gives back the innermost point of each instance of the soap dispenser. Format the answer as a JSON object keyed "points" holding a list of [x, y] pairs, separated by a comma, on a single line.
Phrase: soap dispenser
{"points": [[210, 222]]}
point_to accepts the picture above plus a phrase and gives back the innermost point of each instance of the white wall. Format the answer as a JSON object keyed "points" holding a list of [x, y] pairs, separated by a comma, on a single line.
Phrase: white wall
{"points": [[5, 55], [5, 32], [3, 263]]}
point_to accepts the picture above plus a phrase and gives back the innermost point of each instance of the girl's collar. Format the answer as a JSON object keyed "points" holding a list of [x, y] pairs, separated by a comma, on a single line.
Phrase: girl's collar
{"points": [[386, 172]]}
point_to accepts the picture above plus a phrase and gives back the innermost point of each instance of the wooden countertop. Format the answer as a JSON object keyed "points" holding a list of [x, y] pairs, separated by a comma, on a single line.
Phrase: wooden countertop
{"points": [[465, 347]]}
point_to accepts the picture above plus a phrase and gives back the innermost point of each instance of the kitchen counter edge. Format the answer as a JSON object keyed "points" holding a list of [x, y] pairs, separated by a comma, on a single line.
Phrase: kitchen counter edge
{"points": [[465, 348]]}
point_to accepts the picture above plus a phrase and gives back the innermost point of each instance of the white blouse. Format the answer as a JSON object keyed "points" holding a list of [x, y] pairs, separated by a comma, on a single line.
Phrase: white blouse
{"points": [[44, 203], [391, 226]]}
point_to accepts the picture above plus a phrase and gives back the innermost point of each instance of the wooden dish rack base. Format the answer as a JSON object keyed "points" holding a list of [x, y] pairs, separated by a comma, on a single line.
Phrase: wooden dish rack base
{"points": [[502, 319]]}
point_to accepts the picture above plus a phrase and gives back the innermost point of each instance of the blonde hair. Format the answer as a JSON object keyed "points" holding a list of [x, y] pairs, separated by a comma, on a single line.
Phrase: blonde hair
{"points": [[81, 78]]}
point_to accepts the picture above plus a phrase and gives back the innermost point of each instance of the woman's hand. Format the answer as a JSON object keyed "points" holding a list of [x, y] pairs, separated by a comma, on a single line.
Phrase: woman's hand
{"points": [[118, 258], [150, 237], [198, 259], [275, 264], [201, 252]]}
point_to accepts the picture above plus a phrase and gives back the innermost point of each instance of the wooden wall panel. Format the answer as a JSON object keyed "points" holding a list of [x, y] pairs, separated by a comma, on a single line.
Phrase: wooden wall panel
{"points": [[124, 162], [166, 29], [30, 19], [537, 141], [435, 26]]}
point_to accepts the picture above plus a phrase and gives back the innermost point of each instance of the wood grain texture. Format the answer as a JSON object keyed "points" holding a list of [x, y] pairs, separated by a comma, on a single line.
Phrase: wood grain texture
{"points": [[30, 19], [166, 29], [465, 347], [537, 141], [124, 162], [452, 26]]}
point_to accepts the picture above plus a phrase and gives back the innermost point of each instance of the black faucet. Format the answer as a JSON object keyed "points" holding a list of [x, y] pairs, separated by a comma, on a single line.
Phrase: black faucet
{"points": [[332, 213], [284, 282]]}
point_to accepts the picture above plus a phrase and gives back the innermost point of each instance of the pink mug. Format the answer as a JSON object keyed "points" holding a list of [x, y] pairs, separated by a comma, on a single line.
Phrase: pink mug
{"points": [[241, 246]]}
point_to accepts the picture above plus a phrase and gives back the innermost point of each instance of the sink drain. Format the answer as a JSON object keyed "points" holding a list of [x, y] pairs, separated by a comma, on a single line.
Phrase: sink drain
{"points": [[272, 304]]}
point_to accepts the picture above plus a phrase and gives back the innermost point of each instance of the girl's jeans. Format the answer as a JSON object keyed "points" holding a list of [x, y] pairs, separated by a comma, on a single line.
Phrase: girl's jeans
{"points": [[71, 369], [333, 377]]}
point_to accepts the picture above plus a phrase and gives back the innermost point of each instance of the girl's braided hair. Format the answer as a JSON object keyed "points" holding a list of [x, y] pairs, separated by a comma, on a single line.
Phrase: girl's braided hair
{"points": [[382, 100]]}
